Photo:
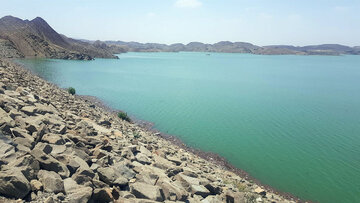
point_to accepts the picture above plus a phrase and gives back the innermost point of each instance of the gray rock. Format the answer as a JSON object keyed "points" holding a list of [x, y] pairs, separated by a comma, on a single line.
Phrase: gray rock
{"points": [[44, 147], [199, 190], [111, 176], [49, 163], [7, 151], [80, 195], [70, 185], [27, 164], [13, 184], [36, 185], [143, 159], [124, 171], [29, 110], [51, 181], [102, 195], [18, 132], [49, 200], [53, 139], [212, 199], [24, 142], [175, 160], [172, 192], [192, 185], [146, 191], [4, 117]]}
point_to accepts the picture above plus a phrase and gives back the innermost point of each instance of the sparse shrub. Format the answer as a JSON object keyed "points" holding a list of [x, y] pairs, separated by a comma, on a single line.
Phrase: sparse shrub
{"points": [[124, 116], [71, 90], [137, 135]]}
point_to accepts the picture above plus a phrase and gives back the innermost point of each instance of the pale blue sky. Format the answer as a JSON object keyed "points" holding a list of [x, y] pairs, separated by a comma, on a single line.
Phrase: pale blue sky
{"points": [[262, 22]]}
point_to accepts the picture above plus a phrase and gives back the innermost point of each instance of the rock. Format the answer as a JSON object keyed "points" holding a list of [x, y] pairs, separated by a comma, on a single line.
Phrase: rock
{"points": [[199, 190], [162, 163], [172, 192], [143, 190], [51, 181], [259, 199], [58, 149], [27, 164], [24, 142], [111, 176], [102, 195], [235, 197], [145, 151], [31, 128], [4, 117], [192, 185], [53, 139], [260, 191], [49, 163], [212, 199], [62, 129], [70, 185], [29, 110], [124, 171], [13, 184], [175, 160], [5, 120], [36, 185], [44, 147], [80, 195], [7, 151], [143, 159], [214, 190], [49, 200], [105, 122]]}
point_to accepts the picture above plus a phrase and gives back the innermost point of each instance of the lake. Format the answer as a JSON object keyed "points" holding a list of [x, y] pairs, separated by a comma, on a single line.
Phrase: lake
{"points": [[292, 122]]}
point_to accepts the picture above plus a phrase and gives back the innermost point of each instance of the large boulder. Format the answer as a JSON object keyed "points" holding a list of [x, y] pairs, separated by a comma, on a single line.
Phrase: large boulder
{"points": [[49, 163], [13, 184], [192, 185], [111, 176], [81, 195], [124, 170], [142, 158], [7, 151], [51, 181], [53, 139], [77, 193], [172, 191], [146, 191], [27, 164], [102, 195], [6, 122]]}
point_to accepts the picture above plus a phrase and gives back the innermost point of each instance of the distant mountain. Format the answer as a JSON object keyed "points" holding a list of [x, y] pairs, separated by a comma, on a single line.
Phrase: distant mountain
{"points": [[238, 47], [35, 38]]}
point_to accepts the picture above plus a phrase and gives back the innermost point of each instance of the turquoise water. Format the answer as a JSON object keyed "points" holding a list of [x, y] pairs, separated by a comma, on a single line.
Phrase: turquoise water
{"points": [[293, 122]]}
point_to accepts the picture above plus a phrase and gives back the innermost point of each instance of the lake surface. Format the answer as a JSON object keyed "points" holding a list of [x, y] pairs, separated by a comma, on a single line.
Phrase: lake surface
{"points": [[293, 122]]}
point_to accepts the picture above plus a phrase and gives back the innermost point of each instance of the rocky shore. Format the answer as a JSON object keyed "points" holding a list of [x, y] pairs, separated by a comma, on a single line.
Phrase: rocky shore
{"points": [[56, 147]]}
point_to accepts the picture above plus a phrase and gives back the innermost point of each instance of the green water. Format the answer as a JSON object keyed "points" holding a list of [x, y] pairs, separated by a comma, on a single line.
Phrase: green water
{"points": [[293, 122]]}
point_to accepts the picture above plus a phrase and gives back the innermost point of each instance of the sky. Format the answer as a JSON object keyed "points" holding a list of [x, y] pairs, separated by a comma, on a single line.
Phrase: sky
{"points": [[261, 22]]}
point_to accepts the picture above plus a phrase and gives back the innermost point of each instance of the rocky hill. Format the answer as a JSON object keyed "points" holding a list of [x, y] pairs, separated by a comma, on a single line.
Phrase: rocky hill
{"points": [[238, 47], [35, 38], [56, 147]]}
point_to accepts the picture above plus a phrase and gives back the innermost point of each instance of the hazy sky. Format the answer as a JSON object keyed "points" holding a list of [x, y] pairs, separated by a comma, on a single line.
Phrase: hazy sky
{"points": [[262, 22]]}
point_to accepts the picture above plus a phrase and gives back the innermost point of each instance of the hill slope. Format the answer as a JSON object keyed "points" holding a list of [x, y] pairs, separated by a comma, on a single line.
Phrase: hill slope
{"points": [[35, 38]]}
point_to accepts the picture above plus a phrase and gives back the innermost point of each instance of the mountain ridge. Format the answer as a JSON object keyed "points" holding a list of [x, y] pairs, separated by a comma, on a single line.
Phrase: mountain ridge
{"points": [[240, 47], [36, 38]]}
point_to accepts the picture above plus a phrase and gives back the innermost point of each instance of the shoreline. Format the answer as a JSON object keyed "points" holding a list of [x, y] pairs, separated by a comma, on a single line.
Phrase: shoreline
{"points": [[148, 127], [209, 156]]}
